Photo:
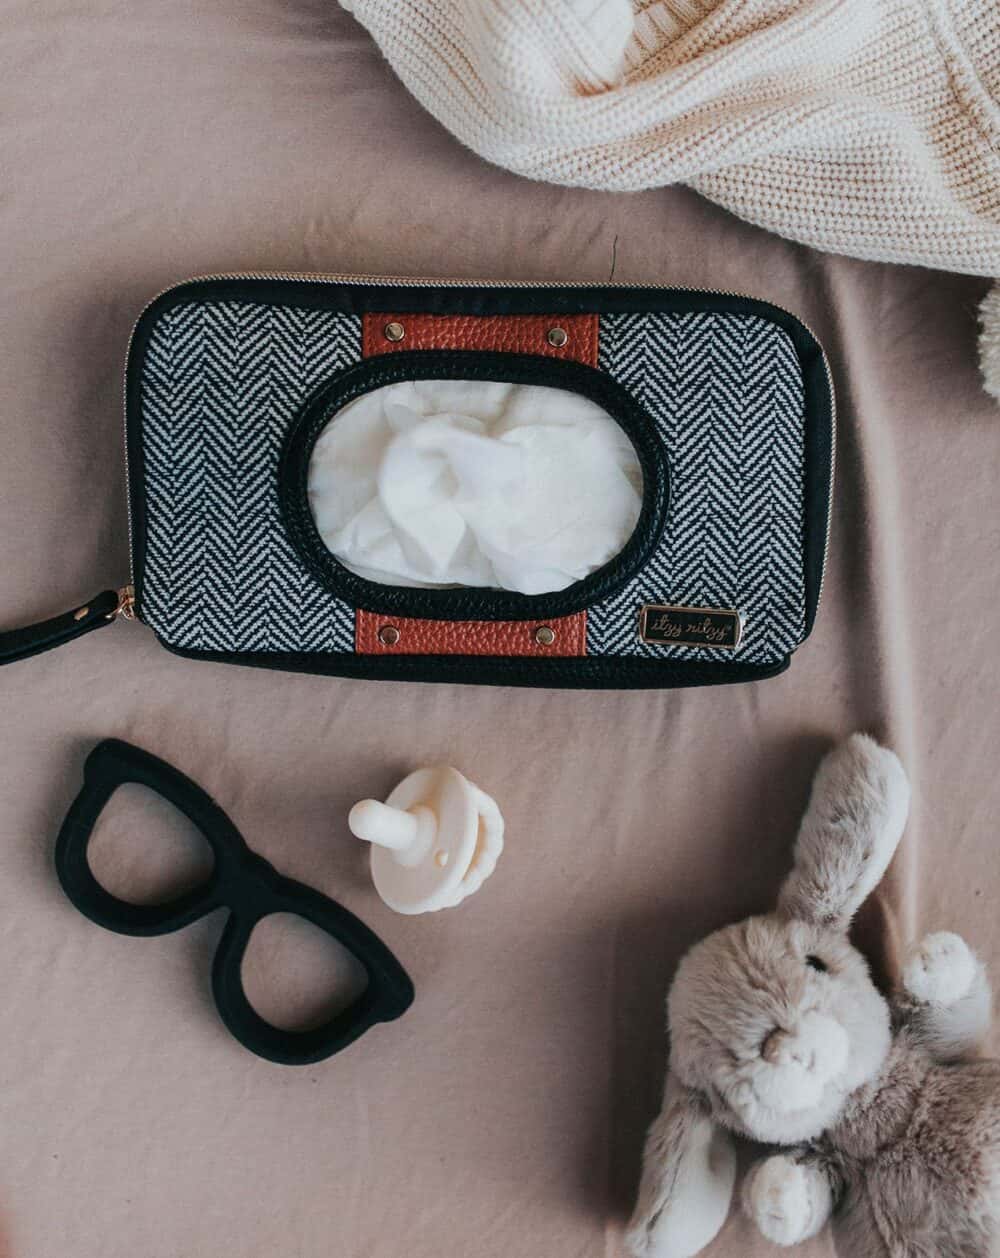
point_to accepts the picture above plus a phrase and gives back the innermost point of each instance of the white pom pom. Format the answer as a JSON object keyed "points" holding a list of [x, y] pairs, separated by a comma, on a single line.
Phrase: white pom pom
{"points": [[941, 969], [779, 1201]]}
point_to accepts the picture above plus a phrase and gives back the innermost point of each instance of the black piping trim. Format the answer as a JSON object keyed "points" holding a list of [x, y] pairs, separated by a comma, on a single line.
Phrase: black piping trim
{"points": [[818, 487], [466, 603], [594, 672]]}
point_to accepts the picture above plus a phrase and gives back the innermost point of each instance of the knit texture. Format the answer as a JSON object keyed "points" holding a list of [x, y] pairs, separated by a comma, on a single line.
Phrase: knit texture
{"points": [[864, 127]]}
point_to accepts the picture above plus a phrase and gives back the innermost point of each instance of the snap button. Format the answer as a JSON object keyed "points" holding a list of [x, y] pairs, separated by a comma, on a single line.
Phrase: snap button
{"points": [[544, 635], [557, 337], [388, 635], [394, 331]]}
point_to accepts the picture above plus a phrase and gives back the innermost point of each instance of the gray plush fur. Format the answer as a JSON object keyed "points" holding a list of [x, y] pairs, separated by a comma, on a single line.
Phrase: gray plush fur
{"points": [[884, 1121]]}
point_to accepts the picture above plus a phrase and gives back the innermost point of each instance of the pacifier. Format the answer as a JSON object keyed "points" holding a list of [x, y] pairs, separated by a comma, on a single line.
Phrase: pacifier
{"points": [[434, 841]]}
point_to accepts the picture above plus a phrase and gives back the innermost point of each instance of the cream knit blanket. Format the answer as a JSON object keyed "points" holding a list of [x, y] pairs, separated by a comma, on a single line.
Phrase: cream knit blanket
{"points": [[865, 127]]}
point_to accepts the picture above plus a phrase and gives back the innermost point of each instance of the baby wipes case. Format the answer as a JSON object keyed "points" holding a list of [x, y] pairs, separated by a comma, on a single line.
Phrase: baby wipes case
{"points": [[525, 484]]}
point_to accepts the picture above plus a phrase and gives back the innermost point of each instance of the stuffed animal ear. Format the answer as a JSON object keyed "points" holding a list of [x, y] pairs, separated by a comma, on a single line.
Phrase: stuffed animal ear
{"points": [[851, 829], [688, 1172]]}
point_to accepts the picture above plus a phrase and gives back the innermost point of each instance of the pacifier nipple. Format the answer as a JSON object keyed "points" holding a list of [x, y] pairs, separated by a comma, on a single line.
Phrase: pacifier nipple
{"points": [[406, 833], [434, 841]]}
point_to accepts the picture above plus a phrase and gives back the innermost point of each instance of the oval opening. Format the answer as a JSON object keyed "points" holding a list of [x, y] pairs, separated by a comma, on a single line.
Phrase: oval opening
{"points": [[452, 484]]}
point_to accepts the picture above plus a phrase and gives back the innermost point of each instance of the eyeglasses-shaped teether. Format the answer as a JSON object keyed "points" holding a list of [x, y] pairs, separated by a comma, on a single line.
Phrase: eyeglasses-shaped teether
{"points": [[242, 882]]}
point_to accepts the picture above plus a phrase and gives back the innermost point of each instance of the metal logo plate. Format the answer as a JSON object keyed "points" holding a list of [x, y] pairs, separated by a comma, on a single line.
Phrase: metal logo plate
{"points": [[668, 625]]}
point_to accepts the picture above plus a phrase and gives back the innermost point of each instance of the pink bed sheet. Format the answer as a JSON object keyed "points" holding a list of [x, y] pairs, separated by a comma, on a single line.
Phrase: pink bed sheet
{"points": [[504, 1114]]}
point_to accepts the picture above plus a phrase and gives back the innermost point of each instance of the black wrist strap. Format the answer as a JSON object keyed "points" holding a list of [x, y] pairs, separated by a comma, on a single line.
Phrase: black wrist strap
{"points": [[20, 644]]}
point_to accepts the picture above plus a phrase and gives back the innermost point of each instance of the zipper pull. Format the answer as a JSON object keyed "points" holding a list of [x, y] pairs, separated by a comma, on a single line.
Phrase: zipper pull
{"points": [[125, 608]]}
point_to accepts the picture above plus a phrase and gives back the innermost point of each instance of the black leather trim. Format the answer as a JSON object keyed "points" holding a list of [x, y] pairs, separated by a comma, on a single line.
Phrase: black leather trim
{"points": [[471, 603], [21, 644], [589, 672], [819, 468]]}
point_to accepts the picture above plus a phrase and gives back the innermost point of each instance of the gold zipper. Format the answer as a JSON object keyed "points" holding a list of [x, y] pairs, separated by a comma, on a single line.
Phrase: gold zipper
{"points": [[412, 281], [125, 609]]}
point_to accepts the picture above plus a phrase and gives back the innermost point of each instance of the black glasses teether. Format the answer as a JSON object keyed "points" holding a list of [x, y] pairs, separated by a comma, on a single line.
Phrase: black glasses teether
{"points": [[241, 881]]}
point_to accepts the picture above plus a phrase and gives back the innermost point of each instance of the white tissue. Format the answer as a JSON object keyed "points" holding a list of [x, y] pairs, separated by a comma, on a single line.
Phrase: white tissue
{"points": [[474, 483]]}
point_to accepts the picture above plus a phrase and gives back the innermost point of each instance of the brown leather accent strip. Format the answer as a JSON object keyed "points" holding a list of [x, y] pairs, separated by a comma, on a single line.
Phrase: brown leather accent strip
{"points": [[515, 334], [468, 637]]}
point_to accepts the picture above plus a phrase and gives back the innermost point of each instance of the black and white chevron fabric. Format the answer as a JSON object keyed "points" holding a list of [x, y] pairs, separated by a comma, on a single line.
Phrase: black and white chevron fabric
{"points": [[725, 391], [223, 381]]}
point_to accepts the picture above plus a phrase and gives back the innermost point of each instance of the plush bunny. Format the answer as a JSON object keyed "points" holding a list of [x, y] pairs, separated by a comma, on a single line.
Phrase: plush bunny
{"points": [[884, 1119]]}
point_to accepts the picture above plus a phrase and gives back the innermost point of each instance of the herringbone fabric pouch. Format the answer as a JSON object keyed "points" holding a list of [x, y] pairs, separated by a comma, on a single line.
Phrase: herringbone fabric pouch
{"points": [[232, 380]]}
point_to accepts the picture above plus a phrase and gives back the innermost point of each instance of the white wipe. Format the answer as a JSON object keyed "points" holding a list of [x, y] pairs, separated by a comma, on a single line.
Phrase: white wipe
{"points": [[472, 483]]}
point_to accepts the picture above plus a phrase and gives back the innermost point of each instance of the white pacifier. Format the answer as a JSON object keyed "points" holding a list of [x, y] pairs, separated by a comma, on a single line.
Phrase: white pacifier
{"points": [[435, 840]]}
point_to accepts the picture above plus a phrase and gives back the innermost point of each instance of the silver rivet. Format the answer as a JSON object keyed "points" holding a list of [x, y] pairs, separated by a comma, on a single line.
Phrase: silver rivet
{"points": [[557, 337], [388, 635], [544, 635], [81, 613], [394, 331]]}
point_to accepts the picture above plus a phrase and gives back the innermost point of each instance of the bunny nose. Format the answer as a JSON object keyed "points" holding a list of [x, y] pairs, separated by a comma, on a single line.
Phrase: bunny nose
{"points": [[778, 1047], [816, 1045]]}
